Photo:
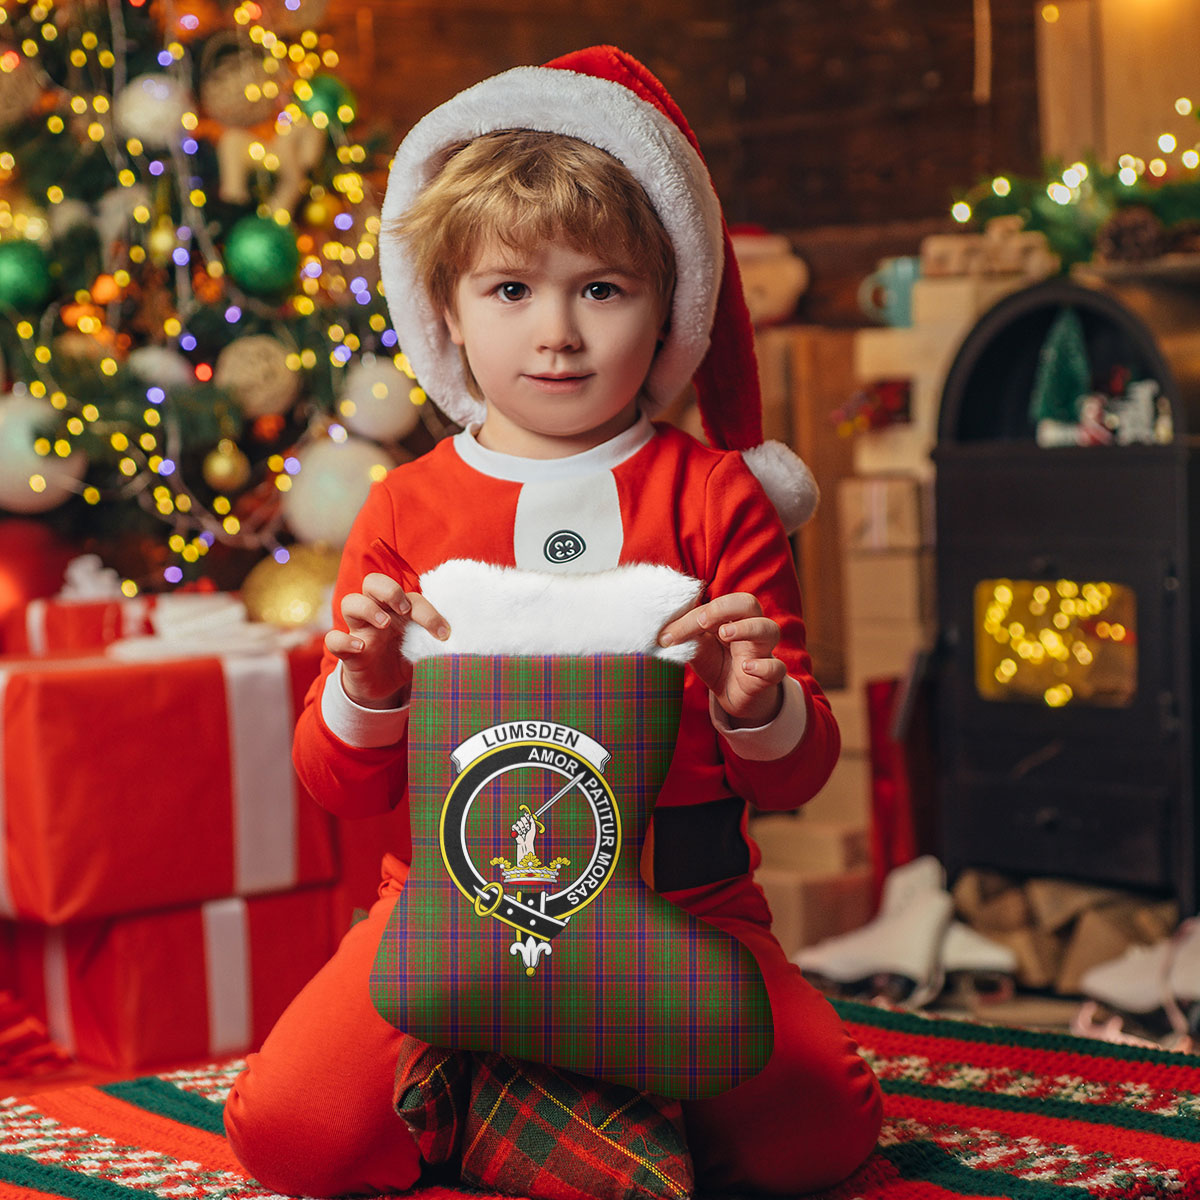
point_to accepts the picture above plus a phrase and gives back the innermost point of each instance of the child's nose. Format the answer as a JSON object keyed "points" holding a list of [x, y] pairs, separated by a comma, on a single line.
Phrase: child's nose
{"points": [[558, 329]]}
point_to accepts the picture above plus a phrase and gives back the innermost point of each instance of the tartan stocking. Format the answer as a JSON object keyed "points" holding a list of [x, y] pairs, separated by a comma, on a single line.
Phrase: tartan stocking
{"points": [[525, 926]]}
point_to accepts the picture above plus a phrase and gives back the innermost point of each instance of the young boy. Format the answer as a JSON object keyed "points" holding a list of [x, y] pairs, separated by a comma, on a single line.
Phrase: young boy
{"points": [[557, 266]]}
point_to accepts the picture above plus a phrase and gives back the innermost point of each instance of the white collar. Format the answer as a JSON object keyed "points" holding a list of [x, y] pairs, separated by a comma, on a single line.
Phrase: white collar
{"points": [[514, 469]]}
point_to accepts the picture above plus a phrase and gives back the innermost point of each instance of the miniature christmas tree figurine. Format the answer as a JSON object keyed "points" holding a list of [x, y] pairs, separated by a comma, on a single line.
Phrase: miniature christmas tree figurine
{"points": [[1062, 382], [191, 326]]}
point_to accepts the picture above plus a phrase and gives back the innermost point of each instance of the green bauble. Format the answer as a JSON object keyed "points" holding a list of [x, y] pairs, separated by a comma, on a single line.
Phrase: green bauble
{"points": [[262, 255], [329, 95], [24, 275]]}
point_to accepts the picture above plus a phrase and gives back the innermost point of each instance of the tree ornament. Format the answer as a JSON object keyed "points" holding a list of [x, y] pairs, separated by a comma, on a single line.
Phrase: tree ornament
{"points": [[33, 559], [67, 215], [114, 218], [295, 593], [255, 370], [225, 467], [31, 482], [330, 488], [1131, 234], [1064, 374], [236, 88], [376, 402], [20, 90], [24, 275], [161, 366], [326, 95], [151, 108], [161, 242], [262, 255]]}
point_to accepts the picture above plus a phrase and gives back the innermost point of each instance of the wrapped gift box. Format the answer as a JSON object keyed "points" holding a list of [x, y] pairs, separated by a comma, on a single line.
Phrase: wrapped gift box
{"points": [[130, 786], [53, 625], [183, 985]]}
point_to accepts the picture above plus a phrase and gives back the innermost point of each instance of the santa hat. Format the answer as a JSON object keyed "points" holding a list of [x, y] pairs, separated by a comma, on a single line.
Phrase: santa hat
{"points": [[607, 98]]}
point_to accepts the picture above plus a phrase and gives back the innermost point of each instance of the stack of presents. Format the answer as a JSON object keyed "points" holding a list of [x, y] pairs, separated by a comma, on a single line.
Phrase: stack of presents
{"points": [[166, 885], [823, 869]]}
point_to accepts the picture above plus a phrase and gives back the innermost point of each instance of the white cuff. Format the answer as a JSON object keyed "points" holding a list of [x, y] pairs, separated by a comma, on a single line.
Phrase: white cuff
{"points": [[765, 743], [356, 725]]}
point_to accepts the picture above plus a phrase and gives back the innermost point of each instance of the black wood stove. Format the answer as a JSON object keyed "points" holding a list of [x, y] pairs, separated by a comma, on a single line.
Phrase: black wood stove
{"points": [[1068, 656]]}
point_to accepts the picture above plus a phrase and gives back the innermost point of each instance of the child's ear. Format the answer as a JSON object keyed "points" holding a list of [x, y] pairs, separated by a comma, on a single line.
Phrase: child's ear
{"points": [[452, 327]]}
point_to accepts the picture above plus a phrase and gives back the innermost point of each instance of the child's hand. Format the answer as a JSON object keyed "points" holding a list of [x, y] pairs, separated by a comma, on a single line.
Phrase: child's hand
{"points": [[373, 672], [734, 655]]}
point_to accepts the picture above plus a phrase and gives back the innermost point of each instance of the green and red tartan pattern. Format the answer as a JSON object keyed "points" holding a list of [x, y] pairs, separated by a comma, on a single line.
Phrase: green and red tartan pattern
{"points": [[634, 990], [529, 1129]]}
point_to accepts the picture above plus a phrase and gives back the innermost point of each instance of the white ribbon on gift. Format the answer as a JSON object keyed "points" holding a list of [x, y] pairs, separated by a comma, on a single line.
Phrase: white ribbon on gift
{"points": [[227, 975], [132, 615], [258, 695]]}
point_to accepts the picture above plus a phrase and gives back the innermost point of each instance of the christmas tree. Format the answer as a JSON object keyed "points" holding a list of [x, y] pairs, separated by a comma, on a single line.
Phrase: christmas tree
{"points": [[196, 357]]}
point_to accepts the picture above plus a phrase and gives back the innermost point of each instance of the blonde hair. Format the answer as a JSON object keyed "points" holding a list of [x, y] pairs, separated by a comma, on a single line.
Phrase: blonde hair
{"points": [[521, 188]]}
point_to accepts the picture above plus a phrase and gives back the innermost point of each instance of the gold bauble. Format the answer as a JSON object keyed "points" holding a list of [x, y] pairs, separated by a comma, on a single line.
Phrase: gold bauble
{"points": [[295, 593], [162, 242], [318, 213], [226, 468]]}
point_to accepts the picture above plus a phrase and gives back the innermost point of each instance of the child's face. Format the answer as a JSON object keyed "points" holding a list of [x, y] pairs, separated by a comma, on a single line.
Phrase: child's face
{"points": [[559, 342]]}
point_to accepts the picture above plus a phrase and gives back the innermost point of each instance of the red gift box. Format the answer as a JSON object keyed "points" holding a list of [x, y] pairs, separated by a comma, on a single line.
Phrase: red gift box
{"points": [[52, 625], [131, 786], [173, 987]]}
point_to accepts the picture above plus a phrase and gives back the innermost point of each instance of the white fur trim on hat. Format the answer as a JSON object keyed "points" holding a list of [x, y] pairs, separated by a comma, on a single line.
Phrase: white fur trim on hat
{"points": [[786, 479], [620, 611], [604, 114]]}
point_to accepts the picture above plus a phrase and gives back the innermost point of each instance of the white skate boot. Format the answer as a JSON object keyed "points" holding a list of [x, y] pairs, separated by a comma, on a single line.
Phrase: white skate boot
{"points": [[898, 953], [979, 966], [1155, 987]]}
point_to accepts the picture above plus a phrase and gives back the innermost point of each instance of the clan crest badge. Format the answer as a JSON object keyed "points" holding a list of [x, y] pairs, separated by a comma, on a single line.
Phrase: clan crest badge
{"points": [[536, 892]]}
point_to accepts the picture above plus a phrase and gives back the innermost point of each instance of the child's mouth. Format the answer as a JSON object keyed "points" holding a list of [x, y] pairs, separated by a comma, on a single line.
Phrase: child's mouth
{"points": [[558, 383]]}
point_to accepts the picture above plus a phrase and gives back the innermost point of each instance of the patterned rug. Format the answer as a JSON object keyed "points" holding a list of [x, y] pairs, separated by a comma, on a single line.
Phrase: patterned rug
{"points": [[972, 1110]]}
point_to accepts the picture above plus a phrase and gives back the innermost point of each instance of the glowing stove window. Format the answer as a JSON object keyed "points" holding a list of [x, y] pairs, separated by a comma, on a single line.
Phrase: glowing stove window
{"points": [[1056, 642]]}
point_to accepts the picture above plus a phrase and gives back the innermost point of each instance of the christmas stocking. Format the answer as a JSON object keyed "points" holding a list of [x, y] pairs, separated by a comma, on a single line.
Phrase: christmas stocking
{"points": [[525, 926]]}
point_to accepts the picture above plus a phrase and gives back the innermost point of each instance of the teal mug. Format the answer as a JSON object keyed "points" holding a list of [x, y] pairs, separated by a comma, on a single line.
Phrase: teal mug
{"points": [[886, 294]]}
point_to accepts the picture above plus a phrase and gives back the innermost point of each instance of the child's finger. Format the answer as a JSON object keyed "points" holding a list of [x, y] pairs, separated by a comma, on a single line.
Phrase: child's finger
{"points": [[705, 618], [343, 645], [767, 671], [762, 632], [424, 614], [362, 612], [387, 593]]}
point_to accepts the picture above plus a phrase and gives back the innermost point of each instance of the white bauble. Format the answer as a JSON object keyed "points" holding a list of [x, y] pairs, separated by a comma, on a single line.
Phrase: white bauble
{"points": [[66, 215], [162, 366], [150, 108], [20, 90], [330, 488], [375, 401], [23, 419], [255, 370]]}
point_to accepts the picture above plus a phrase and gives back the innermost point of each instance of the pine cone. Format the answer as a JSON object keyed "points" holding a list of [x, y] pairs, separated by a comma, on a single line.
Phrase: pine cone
{"points": [[1132, 234]]}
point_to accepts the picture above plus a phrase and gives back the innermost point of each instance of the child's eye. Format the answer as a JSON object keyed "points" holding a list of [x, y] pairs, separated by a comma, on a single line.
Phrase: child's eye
{"points": [[601, 291], [512, 291]]}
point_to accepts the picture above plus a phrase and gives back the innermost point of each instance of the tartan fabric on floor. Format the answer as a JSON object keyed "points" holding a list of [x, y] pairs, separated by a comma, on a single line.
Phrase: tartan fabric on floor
{"points": [[528, 1129], [970, 1111], [626, 986]]}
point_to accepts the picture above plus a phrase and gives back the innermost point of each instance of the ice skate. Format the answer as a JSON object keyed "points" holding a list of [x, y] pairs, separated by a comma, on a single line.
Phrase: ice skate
{"points": [[1153, 989], [978, 965], [898, 953]]}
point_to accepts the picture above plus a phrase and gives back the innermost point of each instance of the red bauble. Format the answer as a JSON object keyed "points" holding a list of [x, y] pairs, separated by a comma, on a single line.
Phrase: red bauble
{"points": [[32, 560]]}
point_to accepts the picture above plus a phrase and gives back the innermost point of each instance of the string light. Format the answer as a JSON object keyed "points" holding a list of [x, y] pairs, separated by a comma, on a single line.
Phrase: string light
{"points": [[1047, 639]]}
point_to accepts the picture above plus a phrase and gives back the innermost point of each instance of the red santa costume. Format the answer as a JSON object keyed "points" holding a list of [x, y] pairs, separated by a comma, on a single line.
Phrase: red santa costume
{"points": [[313, 1112]]}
